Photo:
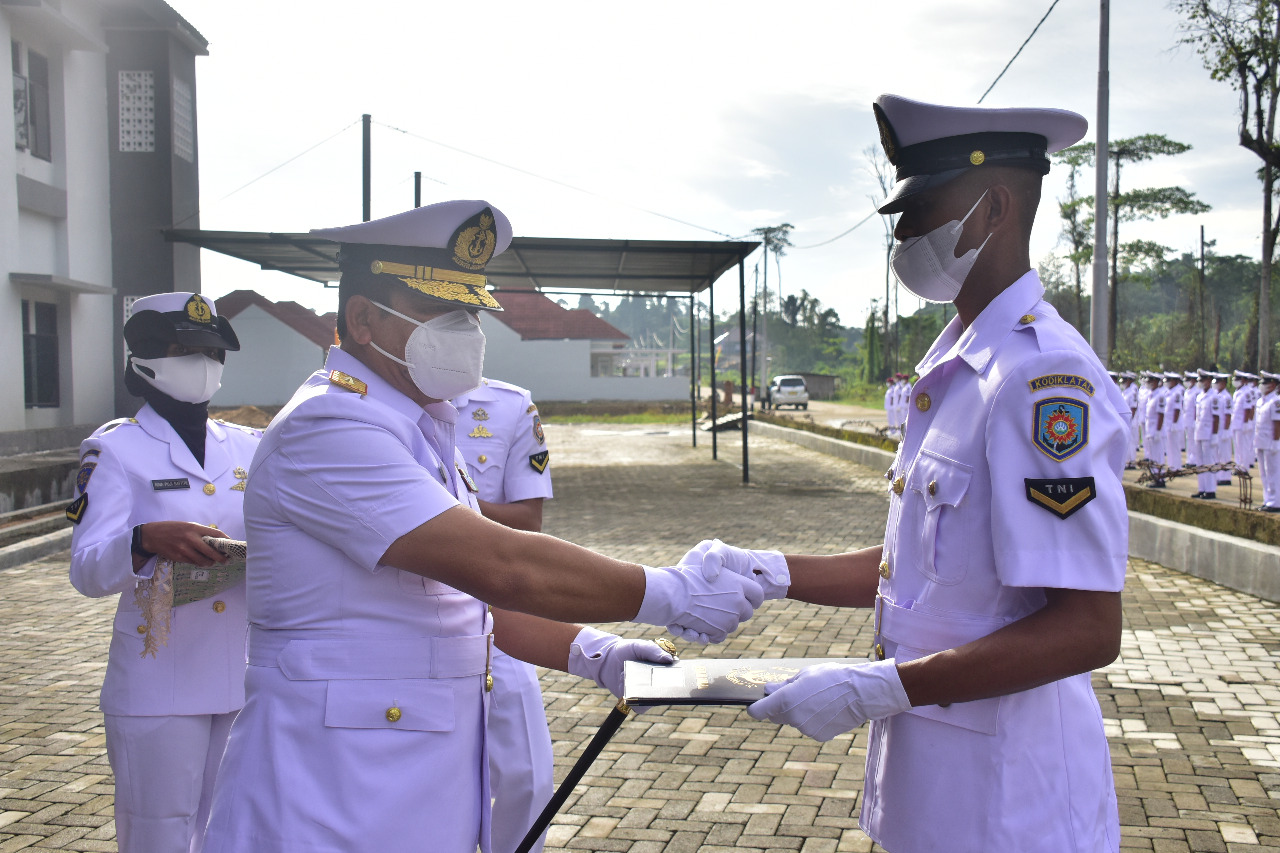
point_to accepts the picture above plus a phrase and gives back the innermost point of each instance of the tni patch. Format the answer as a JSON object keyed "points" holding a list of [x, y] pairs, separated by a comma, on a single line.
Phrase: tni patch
{"points": [[539, 461], [75, 509], [1061, 497], [1061, 427]]}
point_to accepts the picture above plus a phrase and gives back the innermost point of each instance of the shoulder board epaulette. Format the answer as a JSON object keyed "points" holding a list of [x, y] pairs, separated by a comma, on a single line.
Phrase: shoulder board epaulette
{"points": [[241, 427], [349, 383], [110, 425]]}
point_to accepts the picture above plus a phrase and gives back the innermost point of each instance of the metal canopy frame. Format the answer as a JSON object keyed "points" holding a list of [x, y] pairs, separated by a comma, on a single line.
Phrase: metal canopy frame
{"points": [[671, 268]]}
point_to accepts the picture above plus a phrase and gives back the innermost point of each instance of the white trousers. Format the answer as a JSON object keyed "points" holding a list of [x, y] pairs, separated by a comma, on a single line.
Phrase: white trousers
{"points": [[1207, 450], [519, 745], [164, 769], [1153, 447], [1269, 474], [1245, 454], [1224, 455], [1173, 448], [1132, 455]]}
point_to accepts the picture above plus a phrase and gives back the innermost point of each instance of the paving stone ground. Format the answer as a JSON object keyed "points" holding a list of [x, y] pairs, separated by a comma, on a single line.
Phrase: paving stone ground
{"points": [[1191, 705]]}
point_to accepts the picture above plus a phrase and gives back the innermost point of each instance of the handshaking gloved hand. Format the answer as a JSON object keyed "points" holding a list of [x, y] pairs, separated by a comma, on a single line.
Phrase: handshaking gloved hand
{"points": [[767, 568], [831, 698], [700, 604], [599, 655]]}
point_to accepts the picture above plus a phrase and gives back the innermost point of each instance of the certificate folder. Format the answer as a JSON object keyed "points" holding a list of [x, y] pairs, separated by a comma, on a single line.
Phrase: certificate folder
{"points": [[709, 681]]}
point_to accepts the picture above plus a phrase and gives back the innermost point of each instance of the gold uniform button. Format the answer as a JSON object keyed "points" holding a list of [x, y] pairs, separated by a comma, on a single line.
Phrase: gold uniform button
{"points": [[483, 458], [884, 569], [488, 683], [977, 158], [393, 714], [210, 488], [923, 402], [1027, 318], [879, 652], [142, 629], [933, 488], [898, 485], [219, 606]]}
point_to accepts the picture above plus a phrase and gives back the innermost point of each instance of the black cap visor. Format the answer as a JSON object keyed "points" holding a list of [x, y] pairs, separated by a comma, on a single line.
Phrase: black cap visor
{"points": [[906, 189], [176, 327]]}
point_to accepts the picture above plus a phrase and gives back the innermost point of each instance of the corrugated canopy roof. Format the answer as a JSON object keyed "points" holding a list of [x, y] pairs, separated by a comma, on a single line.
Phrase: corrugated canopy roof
{"points": [[541, 263]]}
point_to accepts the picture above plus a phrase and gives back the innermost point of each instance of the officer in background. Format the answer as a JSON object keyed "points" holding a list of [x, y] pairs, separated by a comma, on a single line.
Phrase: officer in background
{"points": [[1153, 445], [1242, 409], [1266, 431], [1175, 433], [1189, 398], [1144, 391], [997, 588], [501, 438], [151, 486], [1208, 422], [1222, 408], [372, 573], [1130, 392], [891, 404]]}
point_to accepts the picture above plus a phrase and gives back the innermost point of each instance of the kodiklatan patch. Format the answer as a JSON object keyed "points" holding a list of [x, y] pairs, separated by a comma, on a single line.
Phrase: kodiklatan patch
{"points": [[480, 432], [539, 461], [1061, 427], [466, 478], [1062, 497], [349, 383], [537, 430], [75, 509], [479, 415], [1061, 380], [82, 478]]}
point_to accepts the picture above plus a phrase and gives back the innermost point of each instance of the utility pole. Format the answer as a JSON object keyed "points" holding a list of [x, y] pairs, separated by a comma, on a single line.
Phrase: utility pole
{"points": [[1099, 313], [366, 120]]}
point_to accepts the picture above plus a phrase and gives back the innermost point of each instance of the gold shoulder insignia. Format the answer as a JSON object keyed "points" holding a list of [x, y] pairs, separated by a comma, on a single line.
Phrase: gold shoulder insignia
{"points": [[480, 432], [532, 408], [350, 383], [479, 415]]}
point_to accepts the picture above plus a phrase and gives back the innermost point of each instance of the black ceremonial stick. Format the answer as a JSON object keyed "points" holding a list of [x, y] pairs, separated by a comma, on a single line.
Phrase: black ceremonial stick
{"points": [[588, 757]]}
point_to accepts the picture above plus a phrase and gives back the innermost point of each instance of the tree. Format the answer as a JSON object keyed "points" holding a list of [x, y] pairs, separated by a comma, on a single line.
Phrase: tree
{"points": [[1239, 43], [776, 239], [883, 172], [1077, 226], [1140, 204]]}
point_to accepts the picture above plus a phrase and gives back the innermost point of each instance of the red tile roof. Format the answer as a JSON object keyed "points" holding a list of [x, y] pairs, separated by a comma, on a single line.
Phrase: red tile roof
{"points": [[304, 321], [535, 317]]}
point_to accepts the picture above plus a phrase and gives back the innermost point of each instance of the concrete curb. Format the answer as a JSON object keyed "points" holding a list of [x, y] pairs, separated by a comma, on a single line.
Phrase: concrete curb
{"points": [[35, 548], [1235, 563]]}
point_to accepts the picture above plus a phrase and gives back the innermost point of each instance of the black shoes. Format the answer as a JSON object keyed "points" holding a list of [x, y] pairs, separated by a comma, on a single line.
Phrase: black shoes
{"points": [[1206, 496]]}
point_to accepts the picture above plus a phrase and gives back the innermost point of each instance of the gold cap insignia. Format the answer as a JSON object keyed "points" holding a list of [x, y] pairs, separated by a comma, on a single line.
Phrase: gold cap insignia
{"points": [[474, 241], [480, 432], [350, 383], [977, 158], [479, 415], [198, 311], [887, 138]]}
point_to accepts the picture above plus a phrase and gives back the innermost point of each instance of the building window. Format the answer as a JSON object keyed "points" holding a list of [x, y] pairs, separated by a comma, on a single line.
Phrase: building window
{"points": [[40, 353], [21, 101], [137, 111], [38, 106], [184, 122]]}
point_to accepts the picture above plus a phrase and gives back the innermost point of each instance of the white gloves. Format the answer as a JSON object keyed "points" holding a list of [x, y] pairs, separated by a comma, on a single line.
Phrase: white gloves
{"points": [[767, 568], [831, 698], [698, 603], [599, 655]]}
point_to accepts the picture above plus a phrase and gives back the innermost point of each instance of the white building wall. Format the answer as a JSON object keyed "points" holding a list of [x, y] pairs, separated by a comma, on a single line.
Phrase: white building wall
{"points": [[272, 362], [75, 246], [561, 370]]}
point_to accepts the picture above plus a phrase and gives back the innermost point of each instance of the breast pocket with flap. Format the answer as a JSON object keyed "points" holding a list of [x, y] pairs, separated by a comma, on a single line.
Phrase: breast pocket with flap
{"points": [[941, 484]]}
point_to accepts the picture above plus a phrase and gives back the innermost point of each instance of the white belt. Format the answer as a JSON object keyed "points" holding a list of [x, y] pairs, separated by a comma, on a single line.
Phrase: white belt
{"points": [[930, 632], [301, 656]]}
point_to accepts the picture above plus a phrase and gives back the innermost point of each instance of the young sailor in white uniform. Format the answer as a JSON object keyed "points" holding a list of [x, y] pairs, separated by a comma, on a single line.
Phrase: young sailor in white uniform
{"points": [[151, 486], [1130, 391], [1189, 398], [370, 569], [997, 588], [1208, 422], [1173, 422], [1266, 430]]}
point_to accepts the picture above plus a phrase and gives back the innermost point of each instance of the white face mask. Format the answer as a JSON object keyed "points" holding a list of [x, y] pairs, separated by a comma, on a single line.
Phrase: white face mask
{"points": [[927, 265], [445, 355], [188, 378]]}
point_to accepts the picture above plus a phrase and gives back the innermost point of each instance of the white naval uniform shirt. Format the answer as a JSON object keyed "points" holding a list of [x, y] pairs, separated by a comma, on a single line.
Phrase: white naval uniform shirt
{"points": [[1155, 408], [1130, 395], [139, 470], [1205, 410], [1240, 400], [500, 437], [1172, 406], [1014, 424], [1266, 412], [363, 725]]}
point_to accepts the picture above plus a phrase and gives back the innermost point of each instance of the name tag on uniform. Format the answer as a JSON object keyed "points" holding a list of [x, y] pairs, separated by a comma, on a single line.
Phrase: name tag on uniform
{"points": [[171, 485]]}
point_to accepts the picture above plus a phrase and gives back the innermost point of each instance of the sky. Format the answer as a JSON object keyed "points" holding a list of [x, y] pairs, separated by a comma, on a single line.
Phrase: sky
{"points": [[692, 120]]}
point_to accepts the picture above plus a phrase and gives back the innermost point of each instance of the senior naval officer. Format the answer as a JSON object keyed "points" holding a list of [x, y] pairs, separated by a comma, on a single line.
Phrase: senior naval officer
{"points": [[370, 566], [997, 588]]}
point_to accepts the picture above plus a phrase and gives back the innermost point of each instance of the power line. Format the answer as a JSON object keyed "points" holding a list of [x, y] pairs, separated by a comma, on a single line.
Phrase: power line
{"points": [[1019, 51], [860, 223], [273, 169], [549, 180]]}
